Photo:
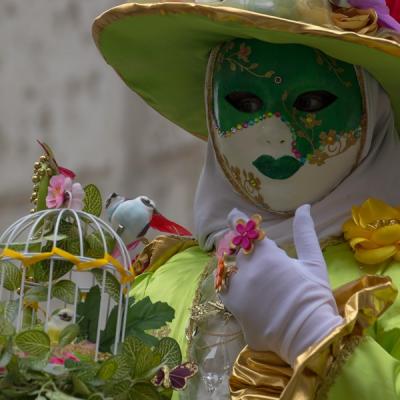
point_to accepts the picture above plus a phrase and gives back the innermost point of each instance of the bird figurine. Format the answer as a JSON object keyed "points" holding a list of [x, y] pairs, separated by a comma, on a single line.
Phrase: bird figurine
{"points": [[59, 320], [132, 218]]}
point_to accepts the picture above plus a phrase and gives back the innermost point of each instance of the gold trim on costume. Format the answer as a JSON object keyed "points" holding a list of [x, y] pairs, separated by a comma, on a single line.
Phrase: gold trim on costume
{"points": [[160, 250], [263, 376]]}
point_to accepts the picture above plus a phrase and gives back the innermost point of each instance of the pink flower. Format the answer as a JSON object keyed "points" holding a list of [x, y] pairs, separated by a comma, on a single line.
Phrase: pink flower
{"points": [[62, 190], [55, 194], [71, 356], [57, 360], [246, 234], [61, 360], [74, 194]]}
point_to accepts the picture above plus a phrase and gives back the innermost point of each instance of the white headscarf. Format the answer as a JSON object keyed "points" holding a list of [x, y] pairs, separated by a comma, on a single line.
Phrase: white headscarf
{"points": [[377, 176]]}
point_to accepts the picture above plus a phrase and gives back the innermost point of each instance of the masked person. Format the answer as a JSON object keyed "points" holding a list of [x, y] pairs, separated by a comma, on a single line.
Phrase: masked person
{"points": [[299, 101]]}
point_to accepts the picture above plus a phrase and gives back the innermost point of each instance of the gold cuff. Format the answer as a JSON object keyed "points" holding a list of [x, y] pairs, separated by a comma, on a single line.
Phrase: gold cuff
{"points": [[264, 376]]}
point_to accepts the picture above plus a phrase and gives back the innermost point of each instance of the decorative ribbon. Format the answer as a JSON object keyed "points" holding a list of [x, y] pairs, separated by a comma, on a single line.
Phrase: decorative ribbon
{"points": [[388, 12], [125, 276]]}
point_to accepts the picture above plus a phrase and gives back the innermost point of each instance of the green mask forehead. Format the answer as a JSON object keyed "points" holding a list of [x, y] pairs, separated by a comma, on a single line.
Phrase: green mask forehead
{"points": [[317, 97]]}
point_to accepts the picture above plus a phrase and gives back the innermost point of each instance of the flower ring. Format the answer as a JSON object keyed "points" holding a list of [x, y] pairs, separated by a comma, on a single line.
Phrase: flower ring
{"points": [[246, 233]]}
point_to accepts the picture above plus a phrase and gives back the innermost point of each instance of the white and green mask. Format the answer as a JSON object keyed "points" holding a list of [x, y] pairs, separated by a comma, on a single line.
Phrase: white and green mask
{"points": [[287, 121]]}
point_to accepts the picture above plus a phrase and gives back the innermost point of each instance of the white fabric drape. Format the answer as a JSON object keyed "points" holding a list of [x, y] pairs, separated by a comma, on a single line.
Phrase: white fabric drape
{"points": [[377, 176]]}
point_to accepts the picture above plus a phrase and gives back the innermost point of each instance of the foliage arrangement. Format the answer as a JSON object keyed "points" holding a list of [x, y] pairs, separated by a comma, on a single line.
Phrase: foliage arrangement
{"points": [[46, 361], [31, 367]]}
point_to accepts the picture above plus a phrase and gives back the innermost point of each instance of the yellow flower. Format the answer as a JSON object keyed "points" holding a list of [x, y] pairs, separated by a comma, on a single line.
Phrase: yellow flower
{"points": [[310, 121], [374, 232]]}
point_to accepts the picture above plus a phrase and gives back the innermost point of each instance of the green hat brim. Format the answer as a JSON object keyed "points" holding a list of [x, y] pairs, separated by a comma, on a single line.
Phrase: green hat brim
{"points": [[161, 51]]}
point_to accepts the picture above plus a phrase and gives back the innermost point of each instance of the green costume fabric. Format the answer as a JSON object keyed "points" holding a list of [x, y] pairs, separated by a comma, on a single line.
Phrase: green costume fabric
{"points": [[175, 283], [371, 372]]}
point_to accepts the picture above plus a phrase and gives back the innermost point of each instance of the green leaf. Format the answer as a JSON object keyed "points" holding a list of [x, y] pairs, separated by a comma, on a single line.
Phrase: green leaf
{"points": [[33, 244], [169, 351], [79, 386], [88, 314], [131, 347], [87, 371], [29, 318], [146, 363], [93, 203], [124, 367], [108, 369], [12, 275], [68, 334], [41, 270], [95, 246], [34, 342], [65, 291], [14, 372], [145, 315], [6, 352], [33, 363], [60, 396], [71, 364], [107, 336], [143, 391], [36, 293], [9, 310], [6, 327], [141, 358], [112, 286], [119, 390], [72, 245]]}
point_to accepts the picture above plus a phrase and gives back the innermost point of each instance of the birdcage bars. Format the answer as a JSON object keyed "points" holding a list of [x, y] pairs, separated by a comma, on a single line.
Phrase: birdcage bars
{"points": [[32, 224]]}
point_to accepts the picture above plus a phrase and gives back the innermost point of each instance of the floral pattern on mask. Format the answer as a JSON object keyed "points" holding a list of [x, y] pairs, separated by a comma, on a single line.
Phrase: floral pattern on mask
{"points": [[311, 141], [239, 60], [247, 182]]}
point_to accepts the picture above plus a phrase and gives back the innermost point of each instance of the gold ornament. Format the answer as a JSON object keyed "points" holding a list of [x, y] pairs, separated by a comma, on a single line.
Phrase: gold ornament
{"points": [[49, 172], [35, 179], [36, 165], [43, 158]]}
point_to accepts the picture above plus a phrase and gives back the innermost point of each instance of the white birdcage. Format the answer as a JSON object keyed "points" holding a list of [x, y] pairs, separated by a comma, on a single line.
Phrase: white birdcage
{"points": [[36, 240]]}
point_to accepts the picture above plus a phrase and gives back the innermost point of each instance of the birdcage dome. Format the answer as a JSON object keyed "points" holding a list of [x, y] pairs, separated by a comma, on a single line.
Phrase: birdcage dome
{"points": [[56, 259]]}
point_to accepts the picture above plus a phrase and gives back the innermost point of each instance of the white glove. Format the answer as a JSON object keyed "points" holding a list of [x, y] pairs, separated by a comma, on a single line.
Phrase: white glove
{"points": [[283, 305]]}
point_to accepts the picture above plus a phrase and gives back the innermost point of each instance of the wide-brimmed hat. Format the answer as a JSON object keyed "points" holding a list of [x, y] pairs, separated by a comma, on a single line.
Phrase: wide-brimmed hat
{"points": [[161, 50]]}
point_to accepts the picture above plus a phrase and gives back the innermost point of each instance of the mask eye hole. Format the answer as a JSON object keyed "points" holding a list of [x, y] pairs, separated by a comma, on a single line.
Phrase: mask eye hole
{"points": [[244, 101], [314, 101]]}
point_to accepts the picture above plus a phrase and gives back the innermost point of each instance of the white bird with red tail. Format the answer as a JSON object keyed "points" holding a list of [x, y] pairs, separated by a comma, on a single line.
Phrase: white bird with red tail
{"points": [[132, 218]]}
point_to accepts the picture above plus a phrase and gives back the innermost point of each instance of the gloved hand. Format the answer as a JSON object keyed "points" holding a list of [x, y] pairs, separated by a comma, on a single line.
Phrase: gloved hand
{"points": [[283, 305]]}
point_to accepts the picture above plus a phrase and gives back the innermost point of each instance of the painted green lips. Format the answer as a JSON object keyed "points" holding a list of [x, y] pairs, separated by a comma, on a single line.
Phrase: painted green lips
{"points": [[280, 168]]}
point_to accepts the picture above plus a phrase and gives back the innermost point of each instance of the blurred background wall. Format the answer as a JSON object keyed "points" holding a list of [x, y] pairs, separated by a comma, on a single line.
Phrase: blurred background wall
{"points": [[55, 86]]}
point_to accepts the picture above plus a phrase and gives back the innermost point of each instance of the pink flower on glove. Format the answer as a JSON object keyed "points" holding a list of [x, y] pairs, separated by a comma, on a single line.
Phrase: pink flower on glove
{"points": [[247, 233], [62, 191]]}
